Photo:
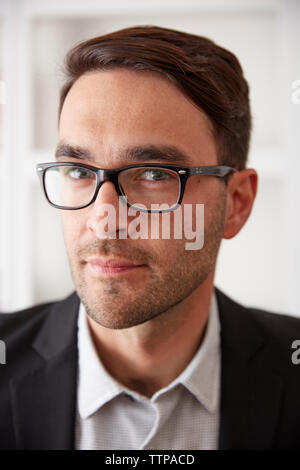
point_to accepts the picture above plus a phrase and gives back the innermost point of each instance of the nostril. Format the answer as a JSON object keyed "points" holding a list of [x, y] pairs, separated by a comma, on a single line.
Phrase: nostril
{"points": [[89, 226], [102, 221]]}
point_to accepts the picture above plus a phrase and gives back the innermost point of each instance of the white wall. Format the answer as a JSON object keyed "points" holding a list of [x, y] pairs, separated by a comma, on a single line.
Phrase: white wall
{"points": [[261, 266]]}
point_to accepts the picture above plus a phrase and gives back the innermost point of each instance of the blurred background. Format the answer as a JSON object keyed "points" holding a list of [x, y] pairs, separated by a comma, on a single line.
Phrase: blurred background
{"points": [[261, 265]]}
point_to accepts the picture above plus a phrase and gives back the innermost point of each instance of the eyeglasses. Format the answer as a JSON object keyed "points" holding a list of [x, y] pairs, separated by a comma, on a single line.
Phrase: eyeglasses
{"points": [[144, 187]]}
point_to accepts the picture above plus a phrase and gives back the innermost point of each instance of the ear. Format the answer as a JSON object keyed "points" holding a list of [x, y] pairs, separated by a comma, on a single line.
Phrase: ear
{"points": [[241, 192]]}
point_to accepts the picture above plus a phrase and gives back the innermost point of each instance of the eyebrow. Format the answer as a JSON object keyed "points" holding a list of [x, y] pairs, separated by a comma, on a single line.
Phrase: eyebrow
{"points": [[140, 153]]}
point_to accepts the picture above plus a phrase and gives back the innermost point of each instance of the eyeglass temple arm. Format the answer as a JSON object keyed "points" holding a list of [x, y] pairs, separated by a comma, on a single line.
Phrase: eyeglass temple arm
{"points": [[220, 170]]}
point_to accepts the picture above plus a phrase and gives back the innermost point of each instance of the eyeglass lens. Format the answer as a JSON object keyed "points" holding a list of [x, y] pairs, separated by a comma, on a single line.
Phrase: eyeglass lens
{"points": [[74, 186]]}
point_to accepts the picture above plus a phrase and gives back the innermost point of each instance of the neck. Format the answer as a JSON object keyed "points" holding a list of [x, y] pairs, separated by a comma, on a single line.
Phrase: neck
{"points": [[149, 356]]}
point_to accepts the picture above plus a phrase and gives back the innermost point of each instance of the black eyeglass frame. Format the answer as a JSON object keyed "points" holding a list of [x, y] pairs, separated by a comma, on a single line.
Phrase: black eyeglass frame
{"points": [[102, 175]]}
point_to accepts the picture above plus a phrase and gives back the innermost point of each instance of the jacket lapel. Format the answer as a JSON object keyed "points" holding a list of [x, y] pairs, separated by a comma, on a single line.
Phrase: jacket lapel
{"points": [[44, 398], [251, 386]]}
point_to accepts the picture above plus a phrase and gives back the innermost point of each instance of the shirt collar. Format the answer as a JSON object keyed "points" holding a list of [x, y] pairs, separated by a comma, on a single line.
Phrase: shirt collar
{"points": [[201, 376]]}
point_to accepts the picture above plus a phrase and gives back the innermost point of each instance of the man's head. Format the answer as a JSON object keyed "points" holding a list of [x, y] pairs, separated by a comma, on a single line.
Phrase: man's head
{"points": [[141, 87]]}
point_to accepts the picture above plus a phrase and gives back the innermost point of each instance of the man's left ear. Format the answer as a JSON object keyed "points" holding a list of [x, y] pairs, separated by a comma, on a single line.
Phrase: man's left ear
{"points": [[241, 192]]}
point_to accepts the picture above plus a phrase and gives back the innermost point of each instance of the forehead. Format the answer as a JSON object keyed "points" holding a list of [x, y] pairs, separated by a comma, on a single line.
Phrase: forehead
{"points": [[109, 111]]}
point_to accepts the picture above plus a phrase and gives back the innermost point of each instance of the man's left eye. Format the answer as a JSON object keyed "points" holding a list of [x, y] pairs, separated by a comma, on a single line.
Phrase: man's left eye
{"points": [[155, 175]]}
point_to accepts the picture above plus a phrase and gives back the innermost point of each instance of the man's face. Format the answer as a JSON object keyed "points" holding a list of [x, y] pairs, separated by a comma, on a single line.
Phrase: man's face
{"points": [[106, 113]]}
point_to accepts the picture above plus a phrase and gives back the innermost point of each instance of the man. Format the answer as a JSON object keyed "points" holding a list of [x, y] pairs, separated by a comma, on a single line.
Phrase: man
{"points": [[147, 354]]}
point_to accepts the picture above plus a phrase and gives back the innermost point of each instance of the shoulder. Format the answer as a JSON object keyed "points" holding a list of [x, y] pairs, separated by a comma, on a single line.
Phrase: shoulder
{"points": [[245, 327], [26, 319], [23, 325], [270, 322], [276, 324], [33, 334]]}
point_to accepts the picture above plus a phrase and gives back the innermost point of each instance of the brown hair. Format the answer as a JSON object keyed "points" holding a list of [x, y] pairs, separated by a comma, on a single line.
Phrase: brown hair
{"points": [[206, 73]]}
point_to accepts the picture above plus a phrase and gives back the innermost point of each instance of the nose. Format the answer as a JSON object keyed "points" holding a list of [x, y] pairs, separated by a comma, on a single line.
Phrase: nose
{"points": [[107, 194], [103, 220]]}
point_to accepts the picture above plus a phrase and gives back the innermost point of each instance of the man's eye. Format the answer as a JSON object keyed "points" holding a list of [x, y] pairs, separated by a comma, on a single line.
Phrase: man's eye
{"points": [[78, 173], [155, 175]]}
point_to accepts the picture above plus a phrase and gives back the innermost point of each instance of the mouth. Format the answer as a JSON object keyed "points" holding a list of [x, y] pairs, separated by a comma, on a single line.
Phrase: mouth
{"points": [[112, 266]]}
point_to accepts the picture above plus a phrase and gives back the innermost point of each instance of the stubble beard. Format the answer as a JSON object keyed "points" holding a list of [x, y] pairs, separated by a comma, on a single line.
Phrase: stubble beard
{"points": [[116, 304]]}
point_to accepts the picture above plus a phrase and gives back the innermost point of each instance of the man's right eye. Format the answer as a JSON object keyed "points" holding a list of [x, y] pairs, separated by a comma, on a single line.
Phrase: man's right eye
{"points": [[78, 173]]}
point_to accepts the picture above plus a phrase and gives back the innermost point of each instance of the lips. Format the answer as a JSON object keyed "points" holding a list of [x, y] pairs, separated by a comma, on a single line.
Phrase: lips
{"points": [[111, 265], [111, 262]]}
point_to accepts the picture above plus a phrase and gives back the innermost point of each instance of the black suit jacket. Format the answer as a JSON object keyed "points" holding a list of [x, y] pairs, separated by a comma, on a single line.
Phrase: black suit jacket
{"points": [[260, 386]]}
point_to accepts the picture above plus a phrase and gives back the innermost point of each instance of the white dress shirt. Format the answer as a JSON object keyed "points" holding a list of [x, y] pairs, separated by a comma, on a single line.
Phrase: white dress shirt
{"points": [[183, 415]]}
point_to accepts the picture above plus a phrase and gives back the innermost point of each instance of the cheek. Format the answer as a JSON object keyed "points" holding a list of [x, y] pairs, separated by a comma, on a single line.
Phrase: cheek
{"points": [[73, 225], [206, 191], [166, 252]]}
